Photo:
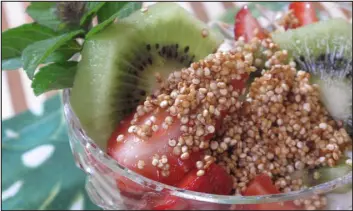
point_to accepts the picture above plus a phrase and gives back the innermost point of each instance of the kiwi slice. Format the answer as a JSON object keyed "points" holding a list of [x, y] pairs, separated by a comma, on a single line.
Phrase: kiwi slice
{"points": [[312, 177], [326, 174], [324, 49], [118, 65], [316, 39]]}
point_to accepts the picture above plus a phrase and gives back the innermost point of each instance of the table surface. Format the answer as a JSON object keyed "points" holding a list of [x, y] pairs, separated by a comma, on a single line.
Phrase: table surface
{"points": [[38, 168]]}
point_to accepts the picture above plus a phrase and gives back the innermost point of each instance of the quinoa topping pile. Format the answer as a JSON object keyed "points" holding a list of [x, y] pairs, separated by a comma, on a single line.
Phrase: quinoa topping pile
{"points": [[281, 127], [288, 20]]}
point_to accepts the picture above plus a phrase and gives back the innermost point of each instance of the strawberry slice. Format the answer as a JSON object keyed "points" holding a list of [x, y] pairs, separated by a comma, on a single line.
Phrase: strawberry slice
{"points": [[136, 153], [262, 185], [247, 26], [214, 181], [304, 12]]}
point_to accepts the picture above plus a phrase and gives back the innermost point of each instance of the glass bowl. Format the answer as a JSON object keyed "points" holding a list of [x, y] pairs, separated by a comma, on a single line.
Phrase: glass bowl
{"points": [[141, 193]]}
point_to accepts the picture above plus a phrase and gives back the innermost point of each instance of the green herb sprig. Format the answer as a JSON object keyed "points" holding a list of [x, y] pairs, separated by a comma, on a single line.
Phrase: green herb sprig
{"points": [[53, 39]]}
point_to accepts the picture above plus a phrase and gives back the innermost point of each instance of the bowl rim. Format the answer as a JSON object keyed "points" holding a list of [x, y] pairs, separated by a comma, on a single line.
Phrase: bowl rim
{"points": [[101, 156]]}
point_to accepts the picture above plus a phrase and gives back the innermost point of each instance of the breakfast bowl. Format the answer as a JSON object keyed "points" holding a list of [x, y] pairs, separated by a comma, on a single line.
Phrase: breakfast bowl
{"points": [[287, 97], [103, 171]]}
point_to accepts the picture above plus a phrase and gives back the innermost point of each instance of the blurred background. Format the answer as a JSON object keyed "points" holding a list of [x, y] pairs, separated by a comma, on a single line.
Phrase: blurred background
{"points": [[38, 171]]}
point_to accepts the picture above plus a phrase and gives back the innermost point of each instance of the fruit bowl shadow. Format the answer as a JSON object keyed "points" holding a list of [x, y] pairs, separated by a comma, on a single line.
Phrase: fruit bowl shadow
{"points": [[103, 172]]}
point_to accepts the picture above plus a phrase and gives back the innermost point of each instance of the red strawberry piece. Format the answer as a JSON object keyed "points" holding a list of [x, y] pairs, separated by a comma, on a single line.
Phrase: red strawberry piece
{"points": [[247, 26], [215, 181], [304, 12], [262, 185]]}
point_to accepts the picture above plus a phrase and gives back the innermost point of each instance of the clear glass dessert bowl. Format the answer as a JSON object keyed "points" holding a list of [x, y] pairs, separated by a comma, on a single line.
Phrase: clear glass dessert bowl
{"points": [[103, 171]]}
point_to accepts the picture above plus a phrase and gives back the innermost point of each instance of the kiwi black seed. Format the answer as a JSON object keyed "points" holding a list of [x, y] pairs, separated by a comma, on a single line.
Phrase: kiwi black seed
{"points": [[324, 49], [186, 49], [117, 68]]}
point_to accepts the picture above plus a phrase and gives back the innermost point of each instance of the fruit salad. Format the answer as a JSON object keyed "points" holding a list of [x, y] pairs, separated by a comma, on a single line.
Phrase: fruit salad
{"points": [[272, 115]]}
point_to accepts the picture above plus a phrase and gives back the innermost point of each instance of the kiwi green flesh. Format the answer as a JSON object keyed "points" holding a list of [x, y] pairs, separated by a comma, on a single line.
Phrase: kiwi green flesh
{"points": [[331, 36], [324, 49], [336, 95], [327, 174], [118, 65]]}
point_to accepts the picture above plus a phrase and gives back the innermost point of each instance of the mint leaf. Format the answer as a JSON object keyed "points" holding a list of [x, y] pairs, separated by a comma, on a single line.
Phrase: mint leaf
{"points": [[45, 14], [36, 53], [15, 40], [91, 9], [109, 9], [54, 76], [125, 11], [59, 16]]}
